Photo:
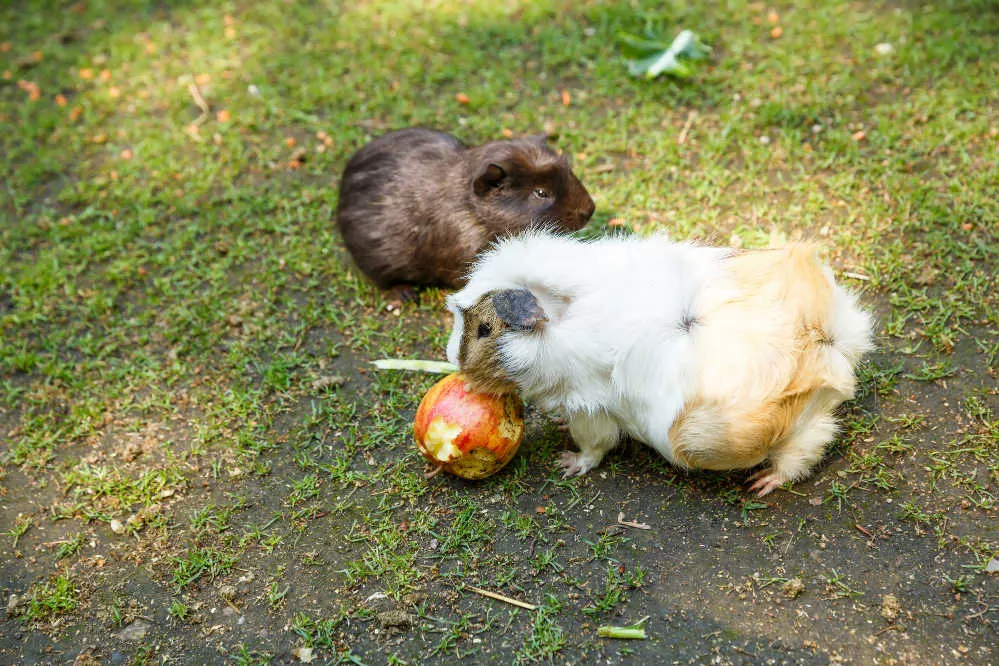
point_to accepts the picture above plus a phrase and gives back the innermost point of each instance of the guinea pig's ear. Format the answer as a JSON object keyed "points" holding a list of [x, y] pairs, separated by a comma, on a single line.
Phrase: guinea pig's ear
{"points": [[540, 139], [490, 178], [519, 309]]}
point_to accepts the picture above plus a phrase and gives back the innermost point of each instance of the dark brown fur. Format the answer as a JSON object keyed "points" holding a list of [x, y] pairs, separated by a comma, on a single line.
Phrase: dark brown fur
{"points": [[417, 205]]}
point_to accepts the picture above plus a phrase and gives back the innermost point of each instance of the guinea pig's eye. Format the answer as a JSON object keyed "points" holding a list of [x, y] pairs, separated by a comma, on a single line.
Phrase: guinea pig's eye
{"points": [[485, 330], [542, 193]]}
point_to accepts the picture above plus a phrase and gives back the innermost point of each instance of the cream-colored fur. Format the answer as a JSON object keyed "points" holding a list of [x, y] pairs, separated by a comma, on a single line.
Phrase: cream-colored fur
{"points": [[718, 360]]}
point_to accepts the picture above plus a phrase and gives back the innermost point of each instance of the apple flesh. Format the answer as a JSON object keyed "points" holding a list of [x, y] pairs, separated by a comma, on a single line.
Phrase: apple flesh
{"points": [[471, 435]]}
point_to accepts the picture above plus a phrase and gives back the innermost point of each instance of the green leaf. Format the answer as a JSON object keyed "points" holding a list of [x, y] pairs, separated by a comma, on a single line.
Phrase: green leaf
{"points": [[672, 60], [440, 367], [637, 47], [633, 631]]}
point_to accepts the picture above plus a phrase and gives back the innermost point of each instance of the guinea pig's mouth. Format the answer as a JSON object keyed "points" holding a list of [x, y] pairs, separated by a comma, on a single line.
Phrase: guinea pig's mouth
{"points": [[480, 382]]}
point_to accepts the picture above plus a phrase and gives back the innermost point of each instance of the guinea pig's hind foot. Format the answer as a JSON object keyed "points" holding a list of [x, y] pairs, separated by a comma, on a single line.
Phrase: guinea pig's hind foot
{"points": [[766, 481], [400, 294], [576, 464]]}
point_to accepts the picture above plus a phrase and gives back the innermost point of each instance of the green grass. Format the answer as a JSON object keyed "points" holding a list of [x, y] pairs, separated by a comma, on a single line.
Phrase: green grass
{"points": [[177, 314], [51, 599]]}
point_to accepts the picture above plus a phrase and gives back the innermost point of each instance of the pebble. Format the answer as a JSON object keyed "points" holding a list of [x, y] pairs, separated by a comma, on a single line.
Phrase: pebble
{"points": [[134, 632], [12, 605], [117, 658], [884, 49]]}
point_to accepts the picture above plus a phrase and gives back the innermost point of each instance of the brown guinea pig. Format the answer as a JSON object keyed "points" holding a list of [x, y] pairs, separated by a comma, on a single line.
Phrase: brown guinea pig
{"points": [[417, 205]]}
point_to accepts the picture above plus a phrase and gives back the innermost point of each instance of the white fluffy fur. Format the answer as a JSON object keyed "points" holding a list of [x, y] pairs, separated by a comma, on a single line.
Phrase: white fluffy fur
{"points": [[615, 358]]}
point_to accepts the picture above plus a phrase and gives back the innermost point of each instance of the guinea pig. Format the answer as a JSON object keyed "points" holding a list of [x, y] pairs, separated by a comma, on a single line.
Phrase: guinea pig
{"points": [[717, 359], [417, 205]]}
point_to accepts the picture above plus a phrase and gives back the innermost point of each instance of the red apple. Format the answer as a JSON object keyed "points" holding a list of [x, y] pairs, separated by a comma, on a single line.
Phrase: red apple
{"points": [[471, 435]]}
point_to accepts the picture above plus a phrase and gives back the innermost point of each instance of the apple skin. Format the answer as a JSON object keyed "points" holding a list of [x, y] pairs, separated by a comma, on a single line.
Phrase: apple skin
{"points": [[471, 435]]}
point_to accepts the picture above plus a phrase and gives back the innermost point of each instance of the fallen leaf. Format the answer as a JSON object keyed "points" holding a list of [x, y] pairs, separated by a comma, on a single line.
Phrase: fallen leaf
{"points": [[967, 226], [105, 75], [773, 17], [890, 607], [290, 141], [462, 98], [540, 509], [127, 154], [566, 98], [203, 79], [29, 61], [74, 114], [793, 588], [86, 73], [776, 32], [859, 135]]}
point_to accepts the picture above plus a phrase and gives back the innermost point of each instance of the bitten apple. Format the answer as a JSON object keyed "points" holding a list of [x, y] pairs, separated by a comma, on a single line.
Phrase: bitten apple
{"points": [[471, 435]]}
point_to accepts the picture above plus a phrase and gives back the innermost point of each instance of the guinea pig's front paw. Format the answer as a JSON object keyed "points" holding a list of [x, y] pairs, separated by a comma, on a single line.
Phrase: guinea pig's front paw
{"points": [[766, 481], [575, 464]]}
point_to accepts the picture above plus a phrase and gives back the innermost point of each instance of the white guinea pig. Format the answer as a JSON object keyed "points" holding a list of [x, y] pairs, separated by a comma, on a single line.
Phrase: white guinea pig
{"points": [[718, 359]]}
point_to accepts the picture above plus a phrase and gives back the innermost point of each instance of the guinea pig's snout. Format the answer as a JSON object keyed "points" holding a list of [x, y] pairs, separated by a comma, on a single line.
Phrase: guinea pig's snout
{"points": [[583, 214]]}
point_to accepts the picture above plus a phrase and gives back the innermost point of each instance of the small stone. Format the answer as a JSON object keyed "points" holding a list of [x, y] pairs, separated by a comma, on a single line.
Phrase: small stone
{"points": [[134, 632], [414, 598], [336, 381], [992, 566], [13, 604], [303, 654], [793, 588], [890, 607], [764, 139], [117, 526], [117, 658], [884, 48]]}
